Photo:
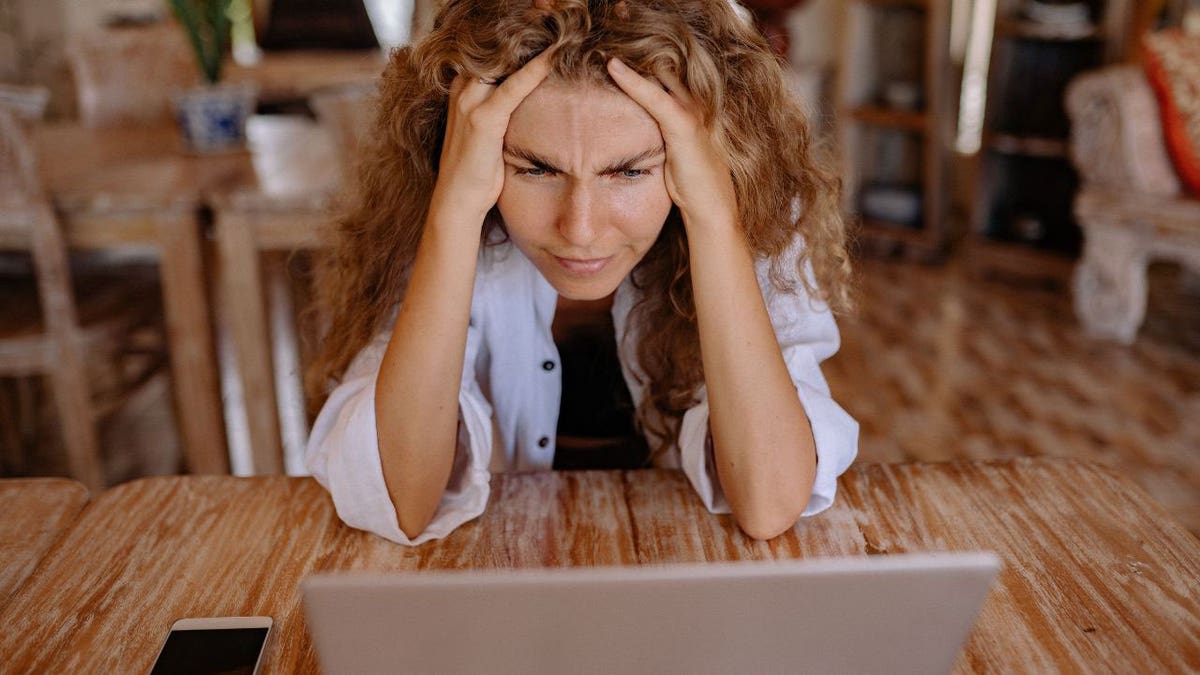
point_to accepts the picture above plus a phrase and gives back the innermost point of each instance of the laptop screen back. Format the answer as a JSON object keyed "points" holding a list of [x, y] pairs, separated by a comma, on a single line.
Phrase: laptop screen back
{"points": [[882, 614]]}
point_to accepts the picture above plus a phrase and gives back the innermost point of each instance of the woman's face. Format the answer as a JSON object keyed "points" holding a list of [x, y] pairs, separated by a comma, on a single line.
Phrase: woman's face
{"points": [[583, 196]]}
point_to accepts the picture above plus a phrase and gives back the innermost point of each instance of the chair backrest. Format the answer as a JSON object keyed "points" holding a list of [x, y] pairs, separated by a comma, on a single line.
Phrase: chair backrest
{"points": [[27, 102], [125, 75], [348, 113], [19, 183], [17, 165], [28, 222]]}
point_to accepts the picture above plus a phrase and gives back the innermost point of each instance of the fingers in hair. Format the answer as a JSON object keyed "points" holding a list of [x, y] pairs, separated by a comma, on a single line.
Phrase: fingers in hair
{"points": [[673, 84], [649, 94], [509, 93]]}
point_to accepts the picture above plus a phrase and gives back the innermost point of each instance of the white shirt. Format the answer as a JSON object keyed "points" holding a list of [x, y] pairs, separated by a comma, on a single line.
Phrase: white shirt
{"points": [[509, 400]]}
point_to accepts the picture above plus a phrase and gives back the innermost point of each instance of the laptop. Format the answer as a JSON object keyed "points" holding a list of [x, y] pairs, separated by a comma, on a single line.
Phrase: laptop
{"points": [[880, 614]]}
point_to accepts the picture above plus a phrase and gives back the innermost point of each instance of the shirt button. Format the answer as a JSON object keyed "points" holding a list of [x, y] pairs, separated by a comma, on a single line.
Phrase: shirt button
{"points": [[543, 441], [547, 365]]}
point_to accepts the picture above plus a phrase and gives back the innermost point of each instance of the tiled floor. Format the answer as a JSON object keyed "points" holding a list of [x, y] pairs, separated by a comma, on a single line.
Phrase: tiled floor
{"points": [[938, 365]]}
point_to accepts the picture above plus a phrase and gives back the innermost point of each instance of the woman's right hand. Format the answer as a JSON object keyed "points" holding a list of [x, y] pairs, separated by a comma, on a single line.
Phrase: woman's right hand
{"points": [[471, 169]]}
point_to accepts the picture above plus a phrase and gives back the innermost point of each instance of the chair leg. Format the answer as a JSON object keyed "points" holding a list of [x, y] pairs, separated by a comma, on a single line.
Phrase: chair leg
{"points": [[67, 365], [73, 403], [1110, 281], [245, 303], [285, 353], [11, 447]]}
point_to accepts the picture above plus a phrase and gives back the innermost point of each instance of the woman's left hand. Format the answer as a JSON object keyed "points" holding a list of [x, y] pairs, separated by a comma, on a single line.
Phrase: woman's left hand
{"points": [[696, 173]]}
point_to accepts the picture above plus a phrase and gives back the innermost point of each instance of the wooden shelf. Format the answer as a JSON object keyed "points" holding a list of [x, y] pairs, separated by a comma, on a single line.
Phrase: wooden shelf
{"points": [[909, 120], [888, 230], [1028, 171], [1030, 146], [882, 144], [1032, 30], [884, 238], [1013, 260]]}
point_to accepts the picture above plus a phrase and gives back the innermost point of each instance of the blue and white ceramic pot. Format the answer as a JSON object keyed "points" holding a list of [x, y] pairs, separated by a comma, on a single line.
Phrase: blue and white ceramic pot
{"points": [[213, 118]]}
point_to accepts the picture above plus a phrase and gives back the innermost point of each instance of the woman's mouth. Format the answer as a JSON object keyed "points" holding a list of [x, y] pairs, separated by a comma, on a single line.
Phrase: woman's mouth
{"points": [[583, 267]]}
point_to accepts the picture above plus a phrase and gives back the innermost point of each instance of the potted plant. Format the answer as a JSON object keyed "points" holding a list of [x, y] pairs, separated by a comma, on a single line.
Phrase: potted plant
{"points": [[212, 117]]}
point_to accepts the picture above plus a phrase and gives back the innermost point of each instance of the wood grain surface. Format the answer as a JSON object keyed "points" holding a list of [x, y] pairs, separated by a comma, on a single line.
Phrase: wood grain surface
{"points": [[36, 511], [1097, 576]]}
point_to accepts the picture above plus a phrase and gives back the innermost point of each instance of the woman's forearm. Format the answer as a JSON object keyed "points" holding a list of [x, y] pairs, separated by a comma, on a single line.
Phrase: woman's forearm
{"points": [[762, 439], [416, 395]]}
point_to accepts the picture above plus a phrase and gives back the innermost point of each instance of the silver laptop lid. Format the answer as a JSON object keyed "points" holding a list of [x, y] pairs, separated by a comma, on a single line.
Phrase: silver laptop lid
{"points": [[881, 614]]}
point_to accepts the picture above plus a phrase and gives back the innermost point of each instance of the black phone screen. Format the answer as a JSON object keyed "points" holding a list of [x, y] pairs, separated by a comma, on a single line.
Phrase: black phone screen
{"points": [[210, 652]]}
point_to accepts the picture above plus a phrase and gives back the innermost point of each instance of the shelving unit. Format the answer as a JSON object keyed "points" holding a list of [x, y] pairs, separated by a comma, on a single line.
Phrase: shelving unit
{"points": [[895, 123], [1022, 220]]}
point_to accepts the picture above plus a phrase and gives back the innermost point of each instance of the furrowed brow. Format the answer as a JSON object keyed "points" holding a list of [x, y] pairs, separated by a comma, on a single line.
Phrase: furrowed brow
{"points": [[631, 162], [617, 167], [534, 159]]}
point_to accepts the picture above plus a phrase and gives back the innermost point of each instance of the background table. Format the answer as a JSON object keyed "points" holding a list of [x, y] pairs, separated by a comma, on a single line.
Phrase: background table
{"points": [[1096, 576], [36, 511], [138, 188], [293, 76]]}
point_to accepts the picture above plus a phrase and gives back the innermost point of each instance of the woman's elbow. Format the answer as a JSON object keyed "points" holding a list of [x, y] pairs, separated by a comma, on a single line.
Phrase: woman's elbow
{"points": [[764, 524], [412, 527], [772, 509], [415, 514], [415, 507]]}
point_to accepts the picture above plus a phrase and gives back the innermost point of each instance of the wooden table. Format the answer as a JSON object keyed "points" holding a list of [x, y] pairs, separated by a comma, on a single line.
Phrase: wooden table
{"points": [[36, 512], [1097, 576], [136, 187]]}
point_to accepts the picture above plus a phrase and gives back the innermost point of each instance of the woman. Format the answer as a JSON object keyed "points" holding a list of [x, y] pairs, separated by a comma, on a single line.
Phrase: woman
{"points": [[542, 166]]}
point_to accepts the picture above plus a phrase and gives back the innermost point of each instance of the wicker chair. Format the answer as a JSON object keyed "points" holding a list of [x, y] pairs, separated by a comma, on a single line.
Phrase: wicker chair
{"points": [[1130, 206], [92, 344]]}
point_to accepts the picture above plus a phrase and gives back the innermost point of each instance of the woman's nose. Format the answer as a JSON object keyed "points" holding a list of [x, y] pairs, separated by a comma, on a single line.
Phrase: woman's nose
{"points": [[579, 219]]}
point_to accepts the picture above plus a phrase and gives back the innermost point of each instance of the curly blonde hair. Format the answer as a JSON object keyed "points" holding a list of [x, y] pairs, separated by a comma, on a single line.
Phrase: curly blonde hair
{"points": [[724, 63]]}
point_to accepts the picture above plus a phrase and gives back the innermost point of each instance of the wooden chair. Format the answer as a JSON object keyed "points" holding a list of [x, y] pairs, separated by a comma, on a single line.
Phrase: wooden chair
{"points": [[257, 232], [126, 75], [48, 329]]}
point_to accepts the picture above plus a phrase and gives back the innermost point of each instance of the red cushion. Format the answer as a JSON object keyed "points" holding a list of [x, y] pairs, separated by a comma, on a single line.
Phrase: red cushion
{"points": [[1173, 68]]}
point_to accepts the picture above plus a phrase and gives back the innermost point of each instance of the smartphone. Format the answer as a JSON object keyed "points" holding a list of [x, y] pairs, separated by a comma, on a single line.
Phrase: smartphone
{"points": [[226, 645]]}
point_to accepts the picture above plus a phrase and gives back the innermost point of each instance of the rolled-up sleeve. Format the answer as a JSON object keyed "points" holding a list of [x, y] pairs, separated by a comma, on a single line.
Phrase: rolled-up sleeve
{"points": [[807, 335], [343, 452]]}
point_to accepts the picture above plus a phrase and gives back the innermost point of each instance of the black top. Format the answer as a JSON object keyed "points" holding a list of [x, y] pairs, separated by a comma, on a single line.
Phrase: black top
{"points": [[595, 419]]}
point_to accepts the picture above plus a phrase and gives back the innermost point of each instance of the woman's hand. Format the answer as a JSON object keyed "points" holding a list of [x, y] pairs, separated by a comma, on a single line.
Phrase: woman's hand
{"points": [[471, 169], [696, 173]]}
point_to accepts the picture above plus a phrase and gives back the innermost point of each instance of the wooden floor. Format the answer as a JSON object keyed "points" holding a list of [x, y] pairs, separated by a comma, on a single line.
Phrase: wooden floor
{"points": [[938, 364]]}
